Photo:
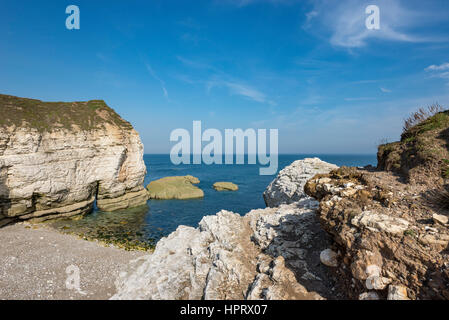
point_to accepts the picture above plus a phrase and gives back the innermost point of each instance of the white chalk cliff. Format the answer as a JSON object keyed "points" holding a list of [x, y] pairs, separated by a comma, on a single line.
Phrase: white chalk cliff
{"points": [[288, 187], [56, 159]]}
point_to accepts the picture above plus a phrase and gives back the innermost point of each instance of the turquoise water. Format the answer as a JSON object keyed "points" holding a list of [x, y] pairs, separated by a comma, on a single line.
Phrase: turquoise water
{"points": [[149, 223]]}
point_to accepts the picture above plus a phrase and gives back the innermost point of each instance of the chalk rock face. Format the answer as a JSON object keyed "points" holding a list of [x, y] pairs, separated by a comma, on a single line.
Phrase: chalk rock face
{"points": [[288, 187], [57, 158], [270, 253]]}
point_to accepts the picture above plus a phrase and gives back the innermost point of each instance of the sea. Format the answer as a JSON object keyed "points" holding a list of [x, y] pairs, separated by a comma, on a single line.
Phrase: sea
{"points": [[143, 226]]}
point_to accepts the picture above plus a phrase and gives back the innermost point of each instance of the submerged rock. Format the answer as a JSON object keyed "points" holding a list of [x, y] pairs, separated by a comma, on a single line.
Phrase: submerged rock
{"points": [[225, 186], [288, 186], [57, 158], [180, 187]]}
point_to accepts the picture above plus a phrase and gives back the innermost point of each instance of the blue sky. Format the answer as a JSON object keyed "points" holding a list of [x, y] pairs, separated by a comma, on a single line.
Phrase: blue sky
{"points": [[308, 68]]}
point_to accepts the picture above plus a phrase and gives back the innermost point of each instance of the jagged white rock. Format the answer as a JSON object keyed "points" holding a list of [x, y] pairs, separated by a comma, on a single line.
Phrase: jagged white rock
{"points": [[258, 256], [371, 295], [377, 282], [288, 186], [380, 222], [441, 219]]}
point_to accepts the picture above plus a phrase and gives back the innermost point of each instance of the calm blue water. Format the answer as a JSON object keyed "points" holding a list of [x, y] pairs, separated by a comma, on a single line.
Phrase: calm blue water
{"points": [[161, 217]]}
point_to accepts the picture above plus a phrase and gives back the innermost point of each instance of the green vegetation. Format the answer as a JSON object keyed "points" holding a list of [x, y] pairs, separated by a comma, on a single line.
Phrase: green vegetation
{"points": [[48, 116], [410, 233], [126, 229], [421, 115], [438, 121], [423, 149]]}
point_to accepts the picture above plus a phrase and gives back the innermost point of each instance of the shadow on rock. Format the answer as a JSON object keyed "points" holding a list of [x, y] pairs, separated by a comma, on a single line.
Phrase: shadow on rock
{"points": [[5, 202], [299, 239]]}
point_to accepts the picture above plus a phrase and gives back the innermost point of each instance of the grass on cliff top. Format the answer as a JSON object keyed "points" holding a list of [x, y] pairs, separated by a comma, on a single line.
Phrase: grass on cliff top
{"points": [[425, 144], [438, 122], [46, 116]]}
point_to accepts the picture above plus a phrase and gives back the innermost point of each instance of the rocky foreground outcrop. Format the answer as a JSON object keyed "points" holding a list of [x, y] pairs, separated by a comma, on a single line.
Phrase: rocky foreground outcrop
{"points": [[267, 254], [57, 158], [271, 253], [391, 224], [392, 245]]}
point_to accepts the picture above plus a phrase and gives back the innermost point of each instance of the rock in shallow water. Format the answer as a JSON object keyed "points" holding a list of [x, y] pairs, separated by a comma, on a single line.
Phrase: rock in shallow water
{"points": [[288, 186], [180, 187], [225, 186]]}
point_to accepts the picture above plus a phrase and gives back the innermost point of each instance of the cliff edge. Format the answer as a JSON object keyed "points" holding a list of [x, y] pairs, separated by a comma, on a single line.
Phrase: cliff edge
{"points": [[390, 225], [58, 158]]}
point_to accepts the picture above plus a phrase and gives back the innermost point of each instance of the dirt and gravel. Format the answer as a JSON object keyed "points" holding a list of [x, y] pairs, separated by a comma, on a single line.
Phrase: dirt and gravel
{"points": [[36, 262]]}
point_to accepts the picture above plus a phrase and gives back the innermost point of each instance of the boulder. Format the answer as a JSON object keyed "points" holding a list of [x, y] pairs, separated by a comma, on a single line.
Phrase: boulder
{"points": [[225, 186], [329, 258], [179, 187], [288, 186], [377, 282]]}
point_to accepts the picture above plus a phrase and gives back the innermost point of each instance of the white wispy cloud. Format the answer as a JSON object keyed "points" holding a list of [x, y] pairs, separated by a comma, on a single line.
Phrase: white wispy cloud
{"points": [[240, 89], [154, 75], [439, 71], [220, 79], [344, 21], [385, 90], [441, 67]]}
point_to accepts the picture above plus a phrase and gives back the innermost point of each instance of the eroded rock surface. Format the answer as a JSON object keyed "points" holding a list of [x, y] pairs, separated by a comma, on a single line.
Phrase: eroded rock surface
{"points": [[388, 236], [288, 186], [57, 158], [271, 253]]}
